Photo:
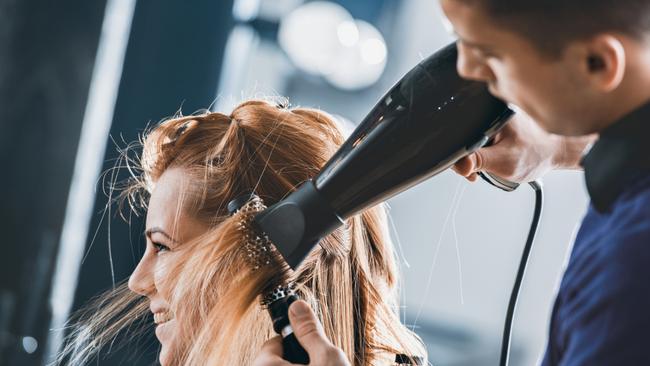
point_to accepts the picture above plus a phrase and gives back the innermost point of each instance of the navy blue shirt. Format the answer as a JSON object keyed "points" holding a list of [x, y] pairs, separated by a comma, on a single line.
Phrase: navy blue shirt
{"points": [[602, 311]]}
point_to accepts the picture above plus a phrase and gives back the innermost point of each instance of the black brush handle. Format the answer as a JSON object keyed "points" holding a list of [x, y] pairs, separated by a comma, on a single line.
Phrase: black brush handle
{"points": [[292, 351]]}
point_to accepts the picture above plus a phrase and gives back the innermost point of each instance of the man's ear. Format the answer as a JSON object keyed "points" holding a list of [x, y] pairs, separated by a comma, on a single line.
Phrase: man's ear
{"points": [[605, 62]]}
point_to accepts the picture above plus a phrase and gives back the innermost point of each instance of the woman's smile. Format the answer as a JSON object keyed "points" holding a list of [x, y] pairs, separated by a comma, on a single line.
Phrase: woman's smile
{"points": [[161, 317]]}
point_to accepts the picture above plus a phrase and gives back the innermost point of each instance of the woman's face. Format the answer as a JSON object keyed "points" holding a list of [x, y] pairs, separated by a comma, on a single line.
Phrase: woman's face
{"points": [[167, 228]]}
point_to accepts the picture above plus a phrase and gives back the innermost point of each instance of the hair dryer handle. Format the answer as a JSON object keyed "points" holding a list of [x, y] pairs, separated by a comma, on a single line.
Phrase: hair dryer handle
{"points": [[498, 182]]}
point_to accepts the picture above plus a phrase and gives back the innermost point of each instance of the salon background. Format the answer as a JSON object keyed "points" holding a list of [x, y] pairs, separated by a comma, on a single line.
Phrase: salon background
{"points": [[79, 78]]}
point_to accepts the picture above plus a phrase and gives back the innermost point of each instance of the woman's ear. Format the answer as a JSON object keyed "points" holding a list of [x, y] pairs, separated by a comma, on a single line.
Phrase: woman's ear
{"points": [[605, 62]]}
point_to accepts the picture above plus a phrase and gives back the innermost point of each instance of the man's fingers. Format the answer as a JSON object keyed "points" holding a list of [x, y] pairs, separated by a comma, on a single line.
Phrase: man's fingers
{"points": [[307, 328], [472, 163], [489, 159], [463, 166], [311, 336], [271, 354], [480, 160], [273, 347], [492, 159]]}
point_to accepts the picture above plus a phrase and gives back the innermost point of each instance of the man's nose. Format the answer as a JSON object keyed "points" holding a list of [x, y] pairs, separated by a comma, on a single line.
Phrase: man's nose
{"points": [[471, 67]]}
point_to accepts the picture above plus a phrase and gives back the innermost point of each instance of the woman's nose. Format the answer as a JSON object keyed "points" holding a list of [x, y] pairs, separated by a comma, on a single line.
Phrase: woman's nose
{"points": [[142, 279]]}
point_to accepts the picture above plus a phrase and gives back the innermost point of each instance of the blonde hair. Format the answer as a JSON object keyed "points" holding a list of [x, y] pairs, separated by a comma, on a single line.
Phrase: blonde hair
{"points": [[350, 279]]}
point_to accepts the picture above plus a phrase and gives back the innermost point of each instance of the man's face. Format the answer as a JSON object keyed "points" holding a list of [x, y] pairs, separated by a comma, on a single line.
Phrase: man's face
{"points": [[553, 92]]}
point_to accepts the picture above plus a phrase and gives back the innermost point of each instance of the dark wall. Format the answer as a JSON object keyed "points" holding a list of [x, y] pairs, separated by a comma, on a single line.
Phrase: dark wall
{"points": [[173, 59], [47, 51]]}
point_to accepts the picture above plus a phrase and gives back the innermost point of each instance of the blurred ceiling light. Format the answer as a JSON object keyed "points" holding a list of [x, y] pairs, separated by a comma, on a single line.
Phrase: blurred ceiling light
{"points": [[309, 35], [322, 38], [348, 33], [246, 10], [373, 51], [363, 64], [275, 10]]}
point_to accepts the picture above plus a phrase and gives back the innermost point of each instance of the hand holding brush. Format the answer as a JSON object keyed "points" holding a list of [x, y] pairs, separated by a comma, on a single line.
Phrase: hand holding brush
{"points": [[309, 333]]}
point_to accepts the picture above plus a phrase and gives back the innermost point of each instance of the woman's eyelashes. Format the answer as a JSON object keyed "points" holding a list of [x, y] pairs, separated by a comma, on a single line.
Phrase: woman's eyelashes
{"points": [[159, 247]]}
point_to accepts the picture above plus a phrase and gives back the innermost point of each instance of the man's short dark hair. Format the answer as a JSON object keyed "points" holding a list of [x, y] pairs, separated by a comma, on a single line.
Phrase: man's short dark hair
{"points": [[549, 24]]}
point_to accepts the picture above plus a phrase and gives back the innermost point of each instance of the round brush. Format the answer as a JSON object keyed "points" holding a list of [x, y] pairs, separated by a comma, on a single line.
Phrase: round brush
{"points": [[279, 293]]}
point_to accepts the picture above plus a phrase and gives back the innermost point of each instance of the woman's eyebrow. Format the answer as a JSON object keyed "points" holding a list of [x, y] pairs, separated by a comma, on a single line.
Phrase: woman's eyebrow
{"points": [[158, 230]]}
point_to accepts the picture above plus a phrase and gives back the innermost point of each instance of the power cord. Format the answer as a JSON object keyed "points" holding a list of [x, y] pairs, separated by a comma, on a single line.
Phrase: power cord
{"points": [[512, 305]]}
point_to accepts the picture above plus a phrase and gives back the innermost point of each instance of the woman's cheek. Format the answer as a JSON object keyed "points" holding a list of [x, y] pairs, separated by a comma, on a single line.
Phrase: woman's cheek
{"points": [[162, 276]]}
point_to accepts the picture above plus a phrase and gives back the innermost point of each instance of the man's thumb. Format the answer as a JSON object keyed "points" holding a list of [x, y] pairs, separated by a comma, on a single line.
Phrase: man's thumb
{"points": [[483, 160], [307, 328]]}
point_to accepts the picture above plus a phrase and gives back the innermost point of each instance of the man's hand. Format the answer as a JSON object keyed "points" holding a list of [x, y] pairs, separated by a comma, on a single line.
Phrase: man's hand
{"points": [[311, 336], [522, 152]]}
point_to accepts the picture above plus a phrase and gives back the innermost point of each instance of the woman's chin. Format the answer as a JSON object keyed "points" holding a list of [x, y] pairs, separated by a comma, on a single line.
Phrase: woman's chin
{"points": [[165, 334], [164, 357]]}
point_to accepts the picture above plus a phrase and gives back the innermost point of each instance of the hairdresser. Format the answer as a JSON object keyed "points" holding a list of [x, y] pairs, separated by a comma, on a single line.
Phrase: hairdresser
{"points": [[581, 70]]}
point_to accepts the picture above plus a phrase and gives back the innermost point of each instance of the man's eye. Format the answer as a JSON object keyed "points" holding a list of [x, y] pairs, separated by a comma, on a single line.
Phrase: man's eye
{"points": [[485, 54], [159, 247], [479, 53]]}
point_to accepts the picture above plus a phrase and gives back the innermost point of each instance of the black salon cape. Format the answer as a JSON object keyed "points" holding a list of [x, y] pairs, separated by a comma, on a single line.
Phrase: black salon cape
{"points": [[602, 312]]}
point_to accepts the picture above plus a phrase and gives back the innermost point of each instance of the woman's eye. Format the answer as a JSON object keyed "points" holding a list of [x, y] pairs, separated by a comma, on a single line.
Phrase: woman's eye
{"points": [[159, 247]]}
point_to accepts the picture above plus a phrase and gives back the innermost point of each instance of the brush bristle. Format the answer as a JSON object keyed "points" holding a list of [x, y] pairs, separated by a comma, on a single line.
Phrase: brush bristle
{"points": [[257, 247], [278, 293], [260, 251]]}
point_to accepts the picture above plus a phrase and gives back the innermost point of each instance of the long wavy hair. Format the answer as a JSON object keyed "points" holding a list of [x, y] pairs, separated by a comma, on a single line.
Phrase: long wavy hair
{"points": [[350, 279]]}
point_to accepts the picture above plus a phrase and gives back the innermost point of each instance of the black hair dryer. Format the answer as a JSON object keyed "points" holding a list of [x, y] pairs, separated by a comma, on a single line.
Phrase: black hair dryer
{"points": [[430, 119]]}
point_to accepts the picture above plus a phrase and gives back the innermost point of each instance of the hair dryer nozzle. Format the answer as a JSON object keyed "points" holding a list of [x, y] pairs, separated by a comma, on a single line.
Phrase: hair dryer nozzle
{"points": [[298, 222]]}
